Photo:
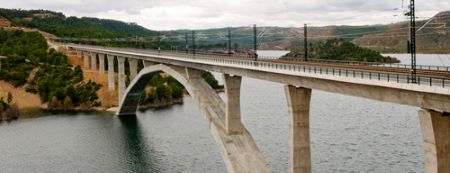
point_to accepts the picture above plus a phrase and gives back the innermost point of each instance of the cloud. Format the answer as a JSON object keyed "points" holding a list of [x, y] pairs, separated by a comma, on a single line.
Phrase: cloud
{"points": [[199, 14]]}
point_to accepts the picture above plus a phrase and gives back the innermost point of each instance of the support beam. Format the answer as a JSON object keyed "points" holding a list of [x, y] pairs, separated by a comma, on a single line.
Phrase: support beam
{"points": [[299, 136], [86, 60], [233, 123], [148, 63], [436, 141], [122, 76], [240, 152], [101, 60], [93, 61], [111, 74], [133, 67]]}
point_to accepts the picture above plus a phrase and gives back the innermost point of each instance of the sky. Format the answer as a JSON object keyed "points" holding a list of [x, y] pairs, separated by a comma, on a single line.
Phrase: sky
{"points": [[203, 14]]}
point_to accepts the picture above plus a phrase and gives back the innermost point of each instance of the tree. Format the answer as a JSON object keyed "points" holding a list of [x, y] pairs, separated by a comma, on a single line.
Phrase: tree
{"points": [[67, 104], [9, 98]]}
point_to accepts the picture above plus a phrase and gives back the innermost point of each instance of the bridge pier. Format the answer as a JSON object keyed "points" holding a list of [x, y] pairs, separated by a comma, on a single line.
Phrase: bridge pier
{"points": [[122, 77], [298, 100], [79, 52], [133, 67], [111, 74], [233, 123], [93, 61], [86, 60], [101, 61], [436, 142]]}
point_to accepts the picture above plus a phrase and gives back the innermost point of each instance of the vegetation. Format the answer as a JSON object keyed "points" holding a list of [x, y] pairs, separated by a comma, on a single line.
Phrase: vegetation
{"points": [[338, 49], [209, 78], [53, 78], [58, 83], [161, 90], [7, 109]]}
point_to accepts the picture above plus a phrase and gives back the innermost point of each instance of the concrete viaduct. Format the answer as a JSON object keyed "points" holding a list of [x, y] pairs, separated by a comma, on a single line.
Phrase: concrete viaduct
{"points": [[238, 149]]}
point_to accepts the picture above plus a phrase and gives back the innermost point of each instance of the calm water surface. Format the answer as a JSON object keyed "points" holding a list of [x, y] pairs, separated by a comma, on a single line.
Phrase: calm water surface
{"points": [[349, 134]]}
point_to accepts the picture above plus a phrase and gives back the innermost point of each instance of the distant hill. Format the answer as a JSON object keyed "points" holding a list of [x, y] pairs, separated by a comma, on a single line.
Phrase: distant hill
{"points": [[433, 36], [74, 27], [391, 38], [274, 37], [339, 49]]}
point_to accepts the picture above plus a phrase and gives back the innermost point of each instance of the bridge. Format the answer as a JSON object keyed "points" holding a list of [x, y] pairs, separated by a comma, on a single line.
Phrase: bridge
{"points": [[381, 82]]}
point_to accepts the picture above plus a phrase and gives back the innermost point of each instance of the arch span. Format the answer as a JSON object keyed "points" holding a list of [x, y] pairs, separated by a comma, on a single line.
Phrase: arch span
{"points": [[239, 151]]}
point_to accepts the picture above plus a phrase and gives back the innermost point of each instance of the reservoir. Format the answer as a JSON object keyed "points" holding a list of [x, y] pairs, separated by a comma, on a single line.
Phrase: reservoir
{"points": [[348, 134]]}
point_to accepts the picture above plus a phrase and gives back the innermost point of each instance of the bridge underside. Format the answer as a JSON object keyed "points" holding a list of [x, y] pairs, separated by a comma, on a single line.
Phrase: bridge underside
{"points": [[238, 149]]}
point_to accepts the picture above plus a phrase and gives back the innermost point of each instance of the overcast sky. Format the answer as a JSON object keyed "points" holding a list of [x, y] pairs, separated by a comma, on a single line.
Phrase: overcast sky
{"points": [[201, 14]]}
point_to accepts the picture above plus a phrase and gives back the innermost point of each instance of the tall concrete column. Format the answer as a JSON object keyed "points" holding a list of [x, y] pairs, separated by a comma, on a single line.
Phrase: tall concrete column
{"points": [[86, 60], [101, 60], [79, 53], [299, 136], [122, 77], [111, 74], [148, 63], [133, 67], [436, 141], [233, 122], [93, 61]]}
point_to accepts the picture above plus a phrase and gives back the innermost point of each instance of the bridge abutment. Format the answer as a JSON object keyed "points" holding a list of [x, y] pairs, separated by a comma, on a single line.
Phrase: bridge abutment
{"points": [[298, 100], [86, 60], [233, 123], [122, 77], [436, 142], [111, 74], [101, 61], [93, 61]]}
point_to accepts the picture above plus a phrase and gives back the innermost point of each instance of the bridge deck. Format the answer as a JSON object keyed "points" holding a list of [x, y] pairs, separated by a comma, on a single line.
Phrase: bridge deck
{"points": [[429, 76]]}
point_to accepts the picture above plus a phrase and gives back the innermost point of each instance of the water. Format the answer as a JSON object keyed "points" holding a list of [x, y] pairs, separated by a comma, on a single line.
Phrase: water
{"points": [[348, 134], [424, 59]]}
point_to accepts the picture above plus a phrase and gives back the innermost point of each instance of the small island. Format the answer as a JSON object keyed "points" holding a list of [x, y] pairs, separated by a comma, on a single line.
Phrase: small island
{"points": [[339, 49]]}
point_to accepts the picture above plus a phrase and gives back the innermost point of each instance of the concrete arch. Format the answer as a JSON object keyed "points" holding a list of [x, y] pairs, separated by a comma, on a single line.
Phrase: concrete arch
{"points": [[187, 77], [239, 151]]}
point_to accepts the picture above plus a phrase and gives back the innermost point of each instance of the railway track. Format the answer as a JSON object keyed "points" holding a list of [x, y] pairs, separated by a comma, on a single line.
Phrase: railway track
{"points": [[366, 68]]}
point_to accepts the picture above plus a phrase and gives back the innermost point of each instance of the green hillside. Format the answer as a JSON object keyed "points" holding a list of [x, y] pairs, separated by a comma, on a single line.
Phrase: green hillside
{"points": [[62, 26], [339, 49]]}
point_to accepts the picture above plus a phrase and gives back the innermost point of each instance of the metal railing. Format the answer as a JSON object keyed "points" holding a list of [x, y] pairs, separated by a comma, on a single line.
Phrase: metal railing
{"points": [[248, 61]]}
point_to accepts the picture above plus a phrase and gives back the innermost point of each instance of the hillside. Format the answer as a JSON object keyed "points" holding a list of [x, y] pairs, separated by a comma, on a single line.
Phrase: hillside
{"points": [[339, 49], [271, 37], [433, 36], [81, 30]]}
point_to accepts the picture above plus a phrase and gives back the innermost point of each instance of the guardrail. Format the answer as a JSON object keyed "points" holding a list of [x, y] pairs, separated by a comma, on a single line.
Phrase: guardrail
{"points": [[248, 61]]}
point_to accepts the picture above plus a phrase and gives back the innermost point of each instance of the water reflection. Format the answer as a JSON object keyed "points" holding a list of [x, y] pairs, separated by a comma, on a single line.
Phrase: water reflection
{"points": [[137, 152]]}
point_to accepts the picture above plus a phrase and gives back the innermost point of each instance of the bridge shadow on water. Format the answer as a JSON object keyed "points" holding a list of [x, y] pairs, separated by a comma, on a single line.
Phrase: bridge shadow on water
{"points": [[139, 154]]}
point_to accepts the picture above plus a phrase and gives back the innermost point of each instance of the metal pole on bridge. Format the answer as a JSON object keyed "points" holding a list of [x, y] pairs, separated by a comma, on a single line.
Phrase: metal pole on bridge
{"points": [[306, 41], [255, 43], [229, 42], [159, 42], [186, 44], [412, 44], [193, 43]]}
